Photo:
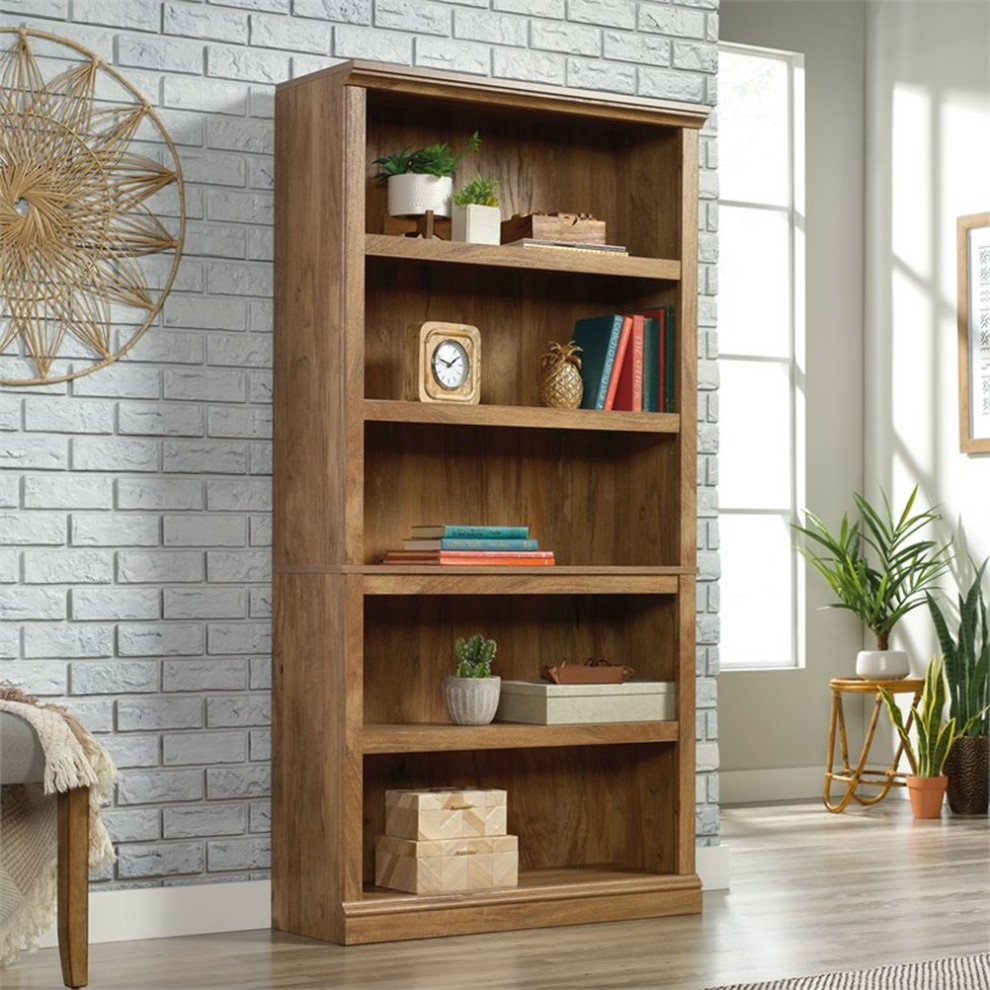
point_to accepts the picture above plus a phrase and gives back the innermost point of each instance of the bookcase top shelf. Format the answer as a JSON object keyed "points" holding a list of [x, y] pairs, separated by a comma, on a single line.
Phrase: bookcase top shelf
{"points": [[579, 261]]}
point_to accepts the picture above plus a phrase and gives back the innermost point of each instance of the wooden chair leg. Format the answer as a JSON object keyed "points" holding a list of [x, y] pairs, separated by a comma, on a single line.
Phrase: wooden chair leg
{"points": [[73, 886]]}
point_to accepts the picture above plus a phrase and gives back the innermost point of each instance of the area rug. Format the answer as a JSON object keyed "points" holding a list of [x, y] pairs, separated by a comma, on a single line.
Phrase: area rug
{"points": [[960, 973]]}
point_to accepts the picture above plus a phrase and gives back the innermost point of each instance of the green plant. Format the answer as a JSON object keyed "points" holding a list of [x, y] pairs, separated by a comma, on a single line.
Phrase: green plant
{"points": [[876, 567], [435, 159], [483, 192], [967, 657], [474, 656], [936, 735]]}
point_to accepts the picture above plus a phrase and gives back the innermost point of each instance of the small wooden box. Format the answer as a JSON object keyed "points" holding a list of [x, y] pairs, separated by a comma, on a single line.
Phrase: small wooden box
{"points": [[447, 866], [445, 813], [554, 227], [543, 703]]}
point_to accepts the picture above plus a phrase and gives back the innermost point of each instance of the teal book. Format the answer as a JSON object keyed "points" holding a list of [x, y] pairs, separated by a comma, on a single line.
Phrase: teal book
{"points": [[651, 365], [453, 543], [451, 531], [669, 361], [598, 338]]}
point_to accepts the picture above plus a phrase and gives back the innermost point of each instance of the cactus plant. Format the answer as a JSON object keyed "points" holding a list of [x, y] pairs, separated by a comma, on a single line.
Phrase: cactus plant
{"points": [[474, 656]]}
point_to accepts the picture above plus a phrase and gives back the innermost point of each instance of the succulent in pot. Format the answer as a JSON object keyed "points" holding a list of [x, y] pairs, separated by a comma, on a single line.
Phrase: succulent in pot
{"points": [[476, 216], [472, 691]]}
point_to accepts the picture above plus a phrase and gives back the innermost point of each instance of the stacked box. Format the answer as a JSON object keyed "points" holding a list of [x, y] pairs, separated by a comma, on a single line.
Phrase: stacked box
{"points": [[543, 703], [446, 840]]}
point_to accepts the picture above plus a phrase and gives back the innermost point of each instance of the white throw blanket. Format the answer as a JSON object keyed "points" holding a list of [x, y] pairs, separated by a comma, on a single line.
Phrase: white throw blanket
{"points": [[28, 822]]}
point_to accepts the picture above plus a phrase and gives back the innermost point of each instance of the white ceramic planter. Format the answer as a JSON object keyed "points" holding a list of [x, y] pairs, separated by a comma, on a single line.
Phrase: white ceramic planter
{"points": [[412, 194], [471, 700], [881, 665], [477, 224]]}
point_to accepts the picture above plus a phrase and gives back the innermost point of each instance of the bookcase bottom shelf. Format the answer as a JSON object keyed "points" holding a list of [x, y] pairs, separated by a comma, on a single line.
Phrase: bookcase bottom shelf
{"points": [[543, 899]]}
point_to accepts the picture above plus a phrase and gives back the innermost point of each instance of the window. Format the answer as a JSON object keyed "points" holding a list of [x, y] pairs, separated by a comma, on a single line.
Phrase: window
{"points": [[761, 336]]}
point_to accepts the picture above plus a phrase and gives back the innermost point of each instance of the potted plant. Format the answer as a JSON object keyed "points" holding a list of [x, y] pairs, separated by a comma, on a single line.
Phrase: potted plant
{"points": [[967, 670], [476, 216], [936, 735], [879, 569], [472, 691], [420, 181]]}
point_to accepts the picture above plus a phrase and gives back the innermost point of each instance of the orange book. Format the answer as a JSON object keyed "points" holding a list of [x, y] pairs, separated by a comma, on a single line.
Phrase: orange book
{"points": [[621, 350], [629, 394]]}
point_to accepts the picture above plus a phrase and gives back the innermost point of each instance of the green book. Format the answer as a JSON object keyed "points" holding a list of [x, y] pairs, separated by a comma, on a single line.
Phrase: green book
{"points": [[651, 365], [598, 338], [669, 365]]}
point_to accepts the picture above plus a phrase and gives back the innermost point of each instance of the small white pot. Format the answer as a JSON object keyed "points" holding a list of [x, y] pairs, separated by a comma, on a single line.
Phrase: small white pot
{"points": [[412, 194], [471, 700], [477, 224], [882, 665]]}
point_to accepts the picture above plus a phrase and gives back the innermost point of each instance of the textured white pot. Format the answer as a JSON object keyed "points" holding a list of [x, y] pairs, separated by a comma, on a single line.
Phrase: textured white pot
{"points": [[412, 194], [881, 665], [471, 700], [477, 224]]}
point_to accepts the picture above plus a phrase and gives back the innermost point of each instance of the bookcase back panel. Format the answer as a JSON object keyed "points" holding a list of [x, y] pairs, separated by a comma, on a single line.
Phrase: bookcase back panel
{"points": [[607, 499], [544, 162], [517, 312], [409, 642], [570, 807]]}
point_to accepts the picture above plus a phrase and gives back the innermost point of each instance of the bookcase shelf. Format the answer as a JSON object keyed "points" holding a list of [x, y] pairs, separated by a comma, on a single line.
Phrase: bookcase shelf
{"points": [[604, 812]]}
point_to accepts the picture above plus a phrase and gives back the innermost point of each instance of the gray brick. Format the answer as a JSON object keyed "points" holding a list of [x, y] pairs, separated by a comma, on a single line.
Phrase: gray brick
{"points": [[496, 29], [243, 350], [274, 6], [255, 136], [9, 491], [53, 414], [67, 567], [116, 454], [260, 458], [362, 42], [535, 67], [10, 412], [157, 566], [96, 713], [572, 39], [643, 49], [115, 677], [168, 54], [159, 713], [260, 674], [160, 419], [210, 386], [261, 531], [140, 15], [268, 31], [416, 16], [45, 678], [303, 65], [204, 603], [238, 710], [175, 639], [260, 743], [18, 604], [665, 18], [9, 566], [205, 531], [263, 101], [232, 421], [262, 315], [695, 56], [338, 11], [160, 860], [208, 314], [261, 244], [252, 278], [544, 8], [260, 603], [237, 206], [215, 240], [25, 528], [67, 491], [238, 566], [240, 637], [38, 453], [225, 62], [208, 675], [121, 379], [239, 854], [205, 457], [169, 346], [260, 387], [600, 75], [131, 751], [73, 640], [206, 748], [192, 21], [115, 529], [115, 603], [260, 816], [608, 13], [133, 825], [238, 496], [670, 84], [239, 782], [204, 821], [159, 494], [214, 169], [454, 56]]}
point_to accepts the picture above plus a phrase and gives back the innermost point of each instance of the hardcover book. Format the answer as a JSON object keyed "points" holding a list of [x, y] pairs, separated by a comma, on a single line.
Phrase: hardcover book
{"points": [[453, 543], [630, 392], [598, 338], [459, 531]]}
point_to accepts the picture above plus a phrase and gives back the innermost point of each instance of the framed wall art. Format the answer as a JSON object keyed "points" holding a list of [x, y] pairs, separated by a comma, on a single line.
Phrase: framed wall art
{"points": [[973, 240]]}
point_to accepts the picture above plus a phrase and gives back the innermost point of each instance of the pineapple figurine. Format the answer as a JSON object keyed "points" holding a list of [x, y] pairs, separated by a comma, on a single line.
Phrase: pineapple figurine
{"points": [[560, 376]]}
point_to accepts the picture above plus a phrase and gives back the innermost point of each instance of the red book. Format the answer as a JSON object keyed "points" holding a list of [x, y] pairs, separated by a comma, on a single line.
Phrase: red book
{"points": [[621, 351], [629, 394], [506, 558]]}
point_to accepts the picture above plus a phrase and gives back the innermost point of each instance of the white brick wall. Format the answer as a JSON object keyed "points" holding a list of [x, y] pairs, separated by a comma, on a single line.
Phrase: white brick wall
{"points": [[134, 502]]}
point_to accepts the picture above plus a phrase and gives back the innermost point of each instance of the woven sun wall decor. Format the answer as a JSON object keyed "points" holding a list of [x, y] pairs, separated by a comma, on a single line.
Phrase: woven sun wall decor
{"points": [[92, 212]]}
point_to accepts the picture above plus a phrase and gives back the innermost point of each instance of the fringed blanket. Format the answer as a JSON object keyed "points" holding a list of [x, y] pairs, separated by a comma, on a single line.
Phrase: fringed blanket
{"points": [[28, 821]]}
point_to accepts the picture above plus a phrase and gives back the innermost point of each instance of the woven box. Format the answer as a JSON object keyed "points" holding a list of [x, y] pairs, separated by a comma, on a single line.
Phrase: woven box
{"points": [[447, 866], [543, 703], [445, 813]]}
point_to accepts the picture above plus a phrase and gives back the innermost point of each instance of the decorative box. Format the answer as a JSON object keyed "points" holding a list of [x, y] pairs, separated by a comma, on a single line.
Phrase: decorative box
{"points": [[542, 703], [447, 866], [445, 813], [573, 227]]}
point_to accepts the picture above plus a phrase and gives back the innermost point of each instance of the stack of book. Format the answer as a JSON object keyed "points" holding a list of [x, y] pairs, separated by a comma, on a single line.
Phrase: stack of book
{"points": [[628, 360], [484, 546]]}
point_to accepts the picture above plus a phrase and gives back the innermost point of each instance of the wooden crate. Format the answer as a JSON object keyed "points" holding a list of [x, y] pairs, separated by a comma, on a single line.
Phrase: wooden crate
{"points": [[554, 227]]}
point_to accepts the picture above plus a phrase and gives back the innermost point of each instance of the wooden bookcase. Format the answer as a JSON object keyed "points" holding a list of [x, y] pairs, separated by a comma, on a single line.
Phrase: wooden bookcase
{"points": [[604, 813]]}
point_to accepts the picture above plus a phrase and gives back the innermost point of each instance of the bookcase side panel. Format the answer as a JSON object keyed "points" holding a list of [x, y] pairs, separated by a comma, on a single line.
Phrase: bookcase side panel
{"points": [[686, 707]]}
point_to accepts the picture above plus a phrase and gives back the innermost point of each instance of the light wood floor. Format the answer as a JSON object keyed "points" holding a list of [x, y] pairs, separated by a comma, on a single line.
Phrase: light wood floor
{"points": [[811, 892]]}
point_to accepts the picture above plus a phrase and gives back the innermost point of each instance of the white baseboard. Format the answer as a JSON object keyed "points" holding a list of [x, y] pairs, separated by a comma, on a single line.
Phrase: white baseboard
{"points": [[781, 784], [201, 909]]}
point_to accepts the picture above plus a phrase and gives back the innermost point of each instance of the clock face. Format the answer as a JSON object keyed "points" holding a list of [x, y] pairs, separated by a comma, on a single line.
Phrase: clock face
{"points": [[450, 364]]}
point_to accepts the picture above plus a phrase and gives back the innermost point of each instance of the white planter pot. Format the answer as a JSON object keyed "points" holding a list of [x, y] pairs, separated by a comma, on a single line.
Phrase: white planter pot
{"points": [[477, 224], [471, 700], [412, 194], [882, 665]]}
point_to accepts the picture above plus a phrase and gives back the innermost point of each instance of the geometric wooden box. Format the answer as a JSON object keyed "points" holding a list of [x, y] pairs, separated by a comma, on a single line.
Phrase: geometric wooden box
{"points": [[445, 813], [447, 866]]}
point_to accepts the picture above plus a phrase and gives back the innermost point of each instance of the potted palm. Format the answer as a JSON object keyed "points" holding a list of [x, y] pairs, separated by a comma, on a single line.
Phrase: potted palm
{"points": [[420, 181], [471, 692], [936, 736], [967, 670], [476, 216], [879, 569]]}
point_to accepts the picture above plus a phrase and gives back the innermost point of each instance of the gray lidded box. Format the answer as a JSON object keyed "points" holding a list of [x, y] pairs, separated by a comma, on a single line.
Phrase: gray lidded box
{"points": [[543, 703]]}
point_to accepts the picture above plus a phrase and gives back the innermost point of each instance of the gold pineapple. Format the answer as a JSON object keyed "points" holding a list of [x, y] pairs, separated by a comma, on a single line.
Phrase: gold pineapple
{"points": [[560, 376]]}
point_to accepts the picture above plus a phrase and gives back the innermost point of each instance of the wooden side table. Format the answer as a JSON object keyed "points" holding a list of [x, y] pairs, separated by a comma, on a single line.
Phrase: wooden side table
{"points": [[855, 778]]}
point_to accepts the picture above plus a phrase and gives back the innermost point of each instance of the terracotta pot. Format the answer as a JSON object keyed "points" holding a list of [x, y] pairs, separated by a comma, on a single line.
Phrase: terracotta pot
{"points": [[926, 795], [968, 770], [471, 700]]}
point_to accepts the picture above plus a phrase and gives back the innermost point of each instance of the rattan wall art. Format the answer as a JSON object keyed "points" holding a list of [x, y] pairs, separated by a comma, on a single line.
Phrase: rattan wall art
{"points": [[92, 211]]}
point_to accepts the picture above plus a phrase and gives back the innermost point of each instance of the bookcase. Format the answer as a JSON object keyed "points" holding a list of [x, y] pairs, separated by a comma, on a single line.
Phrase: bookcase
{"points": [[604, 812]]}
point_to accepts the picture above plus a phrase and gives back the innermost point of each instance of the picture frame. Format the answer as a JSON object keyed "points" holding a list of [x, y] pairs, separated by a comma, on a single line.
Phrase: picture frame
{"points": [[973, 254]]}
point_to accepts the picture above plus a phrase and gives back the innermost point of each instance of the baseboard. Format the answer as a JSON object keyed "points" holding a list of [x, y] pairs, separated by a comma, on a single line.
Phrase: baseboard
{"points": [[201, 909], [781, 784]]}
